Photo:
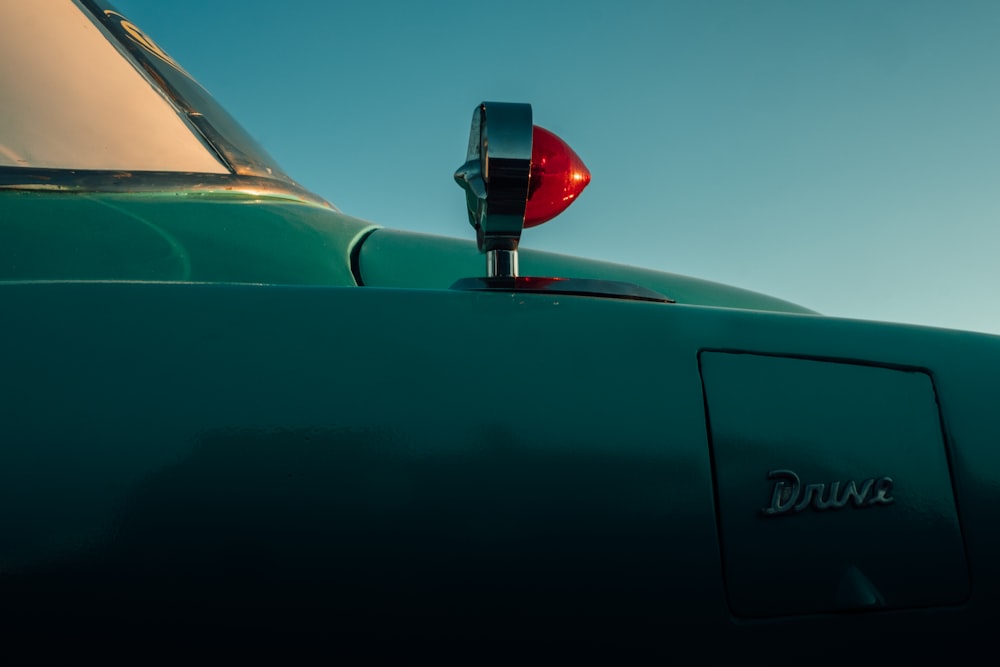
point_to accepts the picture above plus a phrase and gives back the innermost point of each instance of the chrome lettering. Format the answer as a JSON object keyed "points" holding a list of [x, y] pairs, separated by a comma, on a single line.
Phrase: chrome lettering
{"points": [[883, 487], [858, 497], [790, 497], [786, 491], [807, 498]]}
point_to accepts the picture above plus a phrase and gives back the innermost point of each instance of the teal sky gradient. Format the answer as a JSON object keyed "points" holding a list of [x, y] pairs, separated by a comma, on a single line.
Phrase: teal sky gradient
{"points": [[842, 155]]}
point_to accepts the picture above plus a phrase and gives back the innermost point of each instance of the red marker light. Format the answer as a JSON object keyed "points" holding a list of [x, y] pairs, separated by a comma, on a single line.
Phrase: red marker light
{"points": [[557, 176]]}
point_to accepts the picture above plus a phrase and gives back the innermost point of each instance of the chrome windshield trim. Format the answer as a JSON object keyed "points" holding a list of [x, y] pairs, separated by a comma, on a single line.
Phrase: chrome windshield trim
{"points": [[148, 182], [220, 132]]}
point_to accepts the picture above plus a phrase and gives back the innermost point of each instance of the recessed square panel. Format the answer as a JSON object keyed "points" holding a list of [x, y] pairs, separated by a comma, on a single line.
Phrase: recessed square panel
{"points": [[833, 486]]}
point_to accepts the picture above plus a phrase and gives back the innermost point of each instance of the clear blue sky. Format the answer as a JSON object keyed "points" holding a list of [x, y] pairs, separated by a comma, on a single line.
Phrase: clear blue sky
{"points": [[843, 154]]}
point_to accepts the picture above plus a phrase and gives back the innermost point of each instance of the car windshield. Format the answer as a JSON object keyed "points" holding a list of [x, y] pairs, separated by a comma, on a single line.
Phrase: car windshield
{"points": [[82, 88]]}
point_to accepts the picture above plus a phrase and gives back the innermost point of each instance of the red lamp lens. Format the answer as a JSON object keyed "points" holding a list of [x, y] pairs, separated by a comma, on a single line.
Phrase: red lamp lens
{"points": [[557, 176]]}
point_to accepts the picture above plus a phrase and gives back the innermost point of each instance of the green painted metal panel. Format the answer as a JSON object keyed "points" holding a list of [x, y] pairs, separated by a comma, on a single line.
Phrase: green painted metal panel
{"points": [[358, 467], [186, 237], [392, 258], [830, 477], [295, 460], [173, 237]]}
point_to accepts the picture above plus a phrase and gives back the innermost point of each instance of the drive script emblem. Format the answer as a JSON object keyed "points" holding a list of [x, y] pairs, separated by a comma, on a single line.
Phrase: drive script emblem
{"points": [[790, 497]]}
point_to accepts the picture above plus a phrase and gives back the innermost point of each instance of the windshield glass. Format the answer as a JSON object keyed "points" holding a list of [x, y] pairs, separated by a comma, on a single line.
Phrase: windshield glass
{"points": [[83, 88], [71, 101]]}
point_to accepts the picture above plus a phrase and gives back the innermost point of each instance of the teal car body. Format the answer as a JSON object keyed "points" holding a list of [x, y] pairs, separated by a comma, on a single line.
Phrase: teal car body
{"points": [[237, 421]]}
